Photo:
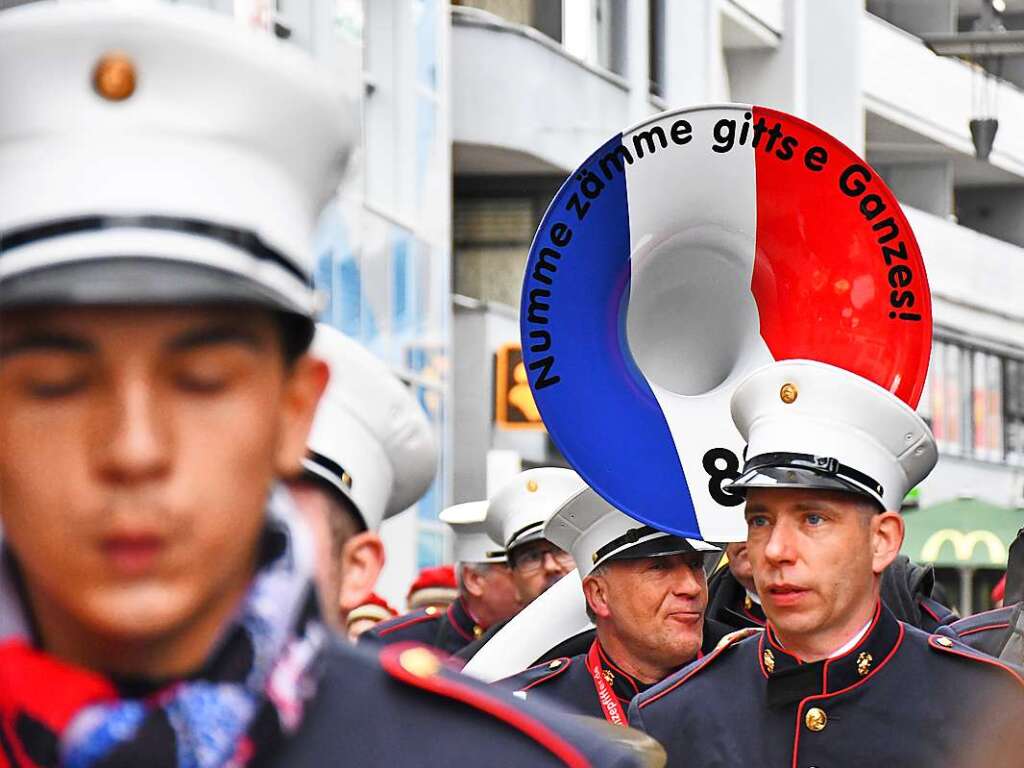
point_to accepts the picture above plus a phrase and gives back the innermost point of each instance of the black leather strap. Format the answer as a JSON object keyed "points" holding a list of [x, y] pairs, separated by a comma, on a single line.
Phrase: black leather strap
{"points": [[243, 239], [823, 465]]}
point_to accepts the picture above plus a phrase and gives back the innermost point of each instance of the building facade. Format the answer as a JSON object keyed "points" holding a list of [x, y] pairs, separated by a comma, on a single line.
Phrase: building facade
{"points": [[557, 85]]}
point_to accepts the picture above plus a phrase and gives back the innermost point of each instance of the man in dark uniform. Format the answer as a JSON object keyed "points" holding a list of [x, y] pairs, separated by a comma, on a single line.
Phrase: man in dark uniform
{"points": [[515, 523], [485, 591], [732, 596], [1000, 632], [157, 604], [835, 679], [646, 592]]}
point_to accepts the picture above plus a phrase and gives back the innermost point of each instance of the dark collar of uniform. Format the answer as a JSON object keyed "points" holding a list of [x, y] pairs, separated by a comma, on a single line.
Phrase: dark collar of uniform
{"points": [[624, 685], [791, 680], [463, 621], [751, 610], [731, 603]]}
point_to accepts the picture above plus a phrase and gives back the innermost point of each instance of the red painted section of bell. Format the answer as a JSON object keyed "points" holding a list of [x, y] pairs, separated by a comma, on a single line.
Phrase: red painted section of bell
{"points": [[823, 287]]}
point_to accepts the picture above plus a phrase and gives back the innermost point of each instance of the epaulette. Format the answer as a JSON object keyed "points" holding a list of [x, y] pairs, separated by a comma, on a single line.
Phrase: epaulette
{"points": [[998, 618], [541, 673], [400, 622], [424, 669], [947, 645], [939, 613], [686, 673]]}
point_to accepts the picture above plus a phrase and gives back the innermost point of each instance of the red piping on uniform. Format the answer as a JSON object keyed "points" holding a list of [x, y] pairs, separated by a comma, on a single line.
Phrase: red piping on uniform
{"points": [[684, 678], [929, 611], [867, 634], [500, 710], [980, 657], [450, 613], [756, 619], [557, 671], [967, 632], [607, 660], [409, 623], [868, 676]]}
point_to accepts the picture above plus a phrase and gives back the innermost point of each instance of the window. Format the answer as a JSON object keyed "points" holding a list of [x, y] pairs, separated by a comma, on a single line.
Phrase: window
{"points": [[974, 401], [1013, 373], [656, 46]]}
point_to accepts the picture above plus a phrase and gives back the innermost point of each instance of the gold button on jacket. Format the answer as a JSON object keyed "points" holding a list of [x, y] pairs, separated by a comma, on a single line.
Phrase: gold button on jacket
{"points": [[815, 719]]}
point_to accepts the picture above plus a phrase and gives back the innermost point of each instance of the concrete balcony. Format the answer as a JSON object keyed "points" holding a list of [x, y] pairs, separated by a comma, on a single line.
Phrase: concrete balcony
{"points": [[752, 24], [919, 106], [521, 104], [975, 279]]}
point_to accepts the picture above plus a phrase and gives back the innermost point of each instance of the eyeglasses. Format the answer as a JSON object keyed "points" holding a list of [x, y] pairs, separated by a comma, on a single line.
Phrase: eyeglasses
{"points": [[531, 559]]}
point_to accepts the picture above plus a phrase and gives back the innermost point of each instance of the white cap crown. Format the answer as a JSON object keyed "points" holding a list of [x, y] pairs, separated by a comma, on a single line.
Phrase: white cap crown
{"points": [[161, 135], [840, 422], [468, 522], [594, 532], [518, 511], [370, 438]]}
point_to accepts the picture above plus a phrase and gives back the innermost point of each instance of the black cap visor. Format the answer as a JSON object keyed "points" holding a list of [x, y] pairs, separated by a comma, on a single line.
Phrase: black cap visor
{"points": [[787, 476], [135, 281]]}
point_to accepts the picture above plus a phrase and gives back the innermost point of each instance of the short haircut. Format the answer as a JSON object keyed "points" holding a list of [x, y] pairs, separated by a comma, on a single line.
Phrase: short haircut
{"points": [[296, 334], [598, 571]]}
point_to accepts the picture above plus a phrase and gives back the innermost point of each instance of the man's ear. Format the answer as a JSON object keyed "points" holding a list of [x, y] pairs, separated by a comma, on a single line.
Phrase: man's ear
{"points": [[304, 383], [595, 590], [886, 539], [362, 558], [472, 581]]}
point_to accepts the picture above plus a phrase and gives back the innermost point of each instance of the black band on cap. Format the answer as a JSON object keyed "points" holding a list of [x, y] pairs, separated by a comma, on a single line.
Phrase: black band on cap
{"points": [[822, 465], [242, 239], [632, 536], [338, 475], [524, 529]]}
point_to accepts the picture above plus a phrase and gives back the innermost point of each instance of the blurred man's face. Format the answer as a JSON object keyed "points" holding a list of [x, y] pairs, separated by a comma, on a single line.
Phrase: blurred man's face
{"points": [[815, 555], [500, 591], [654, 606], [137, 450], [536, 566], [739, 564]]}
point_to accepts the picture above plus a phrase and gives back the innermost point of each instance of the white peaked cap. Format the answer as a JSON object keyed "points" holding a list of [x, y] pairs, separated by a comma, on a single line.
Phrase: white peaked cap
{"points": [[370, 439], [469, 524], [152, 153], [595, 532], [808, 424], [519, 510]]}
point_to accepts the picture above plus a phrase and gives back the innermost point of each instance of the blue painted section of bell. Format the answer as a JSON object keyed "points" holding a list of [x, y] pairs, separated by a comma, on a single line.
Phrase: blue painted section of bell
{"points": [[597, 405]]}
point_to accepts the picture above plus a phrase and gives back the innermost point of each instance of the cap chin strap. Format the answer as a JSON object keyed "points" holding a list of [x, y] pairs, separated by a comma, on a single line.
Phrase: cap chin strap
{"points": [[822, 465]]}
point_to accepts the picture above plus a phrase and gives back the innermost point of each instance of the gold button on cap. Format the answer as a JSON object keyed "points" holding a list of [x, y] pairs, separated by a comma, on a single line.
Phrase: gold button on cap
{"points": [[788, 393], [114, 77], [815, 719], [419, 662], [531, 486], [945, 642], [430, 610]]}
